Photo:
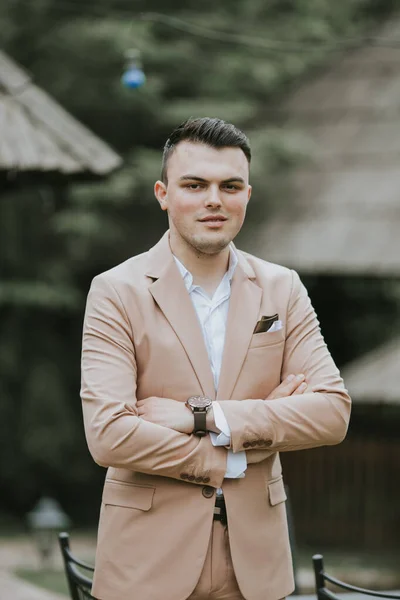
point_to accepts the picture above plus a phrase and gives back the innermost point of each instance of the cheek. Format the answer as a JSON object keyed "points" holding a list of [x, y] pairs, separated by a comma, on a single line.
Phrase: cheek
{"points": [[183, 207], [238, 208]]}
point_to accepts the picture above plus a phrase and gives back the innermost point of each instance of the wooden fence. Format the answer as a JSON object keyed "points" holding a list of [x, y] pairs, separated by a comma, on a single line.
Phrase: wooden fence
{"points": [[346, 496]]}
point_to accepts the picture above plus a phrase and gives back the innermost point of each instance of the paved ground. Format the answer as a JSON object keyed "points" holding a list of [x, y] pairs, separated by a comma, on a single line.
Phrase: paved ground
{"points": [[14, 588], [21, 553]]}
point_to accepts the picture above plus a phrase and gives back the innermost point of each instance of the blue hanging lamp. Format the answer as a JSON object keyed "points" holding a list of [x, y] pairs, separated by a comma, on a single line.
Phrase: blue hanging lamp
{"points": [[133, 76]]}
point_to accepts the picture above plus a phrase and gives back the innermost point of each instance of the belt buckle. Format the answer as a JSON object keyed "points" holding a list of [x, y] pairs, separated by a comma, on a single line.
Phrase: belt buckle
{"points": [[220, 511], [224, 519]]}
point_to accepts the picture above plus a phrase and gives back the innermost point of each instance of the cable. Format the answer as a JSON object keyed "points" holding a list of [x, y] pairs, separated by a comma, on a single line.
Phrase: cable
{"points": [[269, 45]]}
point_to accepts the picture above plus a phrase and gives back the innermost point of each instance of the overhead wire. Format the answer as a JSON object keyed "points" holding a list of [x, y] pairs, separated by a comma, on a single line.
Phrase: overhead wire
{"points": [[102, 10], [267, 44]]}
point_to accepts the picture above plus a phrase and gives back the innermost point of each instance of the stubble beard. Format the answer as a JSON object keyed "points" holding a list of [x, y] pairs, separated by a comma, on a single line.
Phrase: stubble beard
{"points": [[202, 245]]}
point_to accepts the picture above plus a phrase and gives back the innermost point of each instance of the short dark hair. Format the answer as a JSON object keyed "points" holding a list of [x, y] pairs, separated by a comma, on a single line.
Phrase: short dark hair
{"points": [[212, 132]]}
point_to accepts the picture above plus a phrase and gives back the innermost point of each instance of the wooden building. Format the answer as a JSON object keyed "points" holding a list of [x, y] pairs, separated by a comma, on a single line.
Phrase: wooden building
{"points": [[338, 213], [348, 496], [40, 140], [339, 210]]}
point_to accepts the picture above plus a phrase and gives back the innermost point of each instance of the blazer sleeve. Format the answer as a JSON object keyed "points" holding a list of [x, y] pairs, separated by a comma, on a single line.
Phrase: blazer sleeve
{"points": [[318, 417], [116, 436]]}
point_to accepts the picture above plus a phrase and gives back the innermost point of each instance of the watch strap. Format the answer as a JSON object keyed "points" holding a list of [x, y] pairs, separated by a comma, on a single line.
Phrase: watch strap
{"points": [[200, 422]]}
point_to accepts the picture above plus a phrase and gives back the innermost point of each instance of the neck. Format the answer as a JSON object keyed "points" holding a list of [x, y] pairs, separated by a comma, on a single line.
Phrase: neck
{"points": [[207, 269]]}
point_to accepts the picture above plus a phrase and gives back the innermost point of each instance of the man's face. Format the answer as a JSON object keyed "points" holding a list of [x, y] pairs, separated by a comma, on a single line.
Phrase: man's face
{"points": [[206, 195]]}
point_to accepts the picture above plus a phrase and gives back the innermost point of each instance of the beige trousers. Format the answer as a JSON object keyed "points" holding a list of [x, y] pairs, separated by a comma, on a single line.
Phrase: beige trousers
{"points": [[217, 580]]}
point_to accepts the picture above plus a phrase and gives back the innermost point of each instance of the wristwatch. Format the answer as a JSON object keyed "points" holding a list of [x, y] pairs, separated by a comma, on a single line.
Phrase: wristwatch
{"points": [[199, 405]]}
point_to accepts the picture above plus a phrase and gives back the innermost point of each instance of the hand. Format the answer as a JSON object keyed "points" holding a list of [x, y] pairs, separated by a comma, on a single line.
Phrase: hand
{"points": [[291, 386], [166, 412]]}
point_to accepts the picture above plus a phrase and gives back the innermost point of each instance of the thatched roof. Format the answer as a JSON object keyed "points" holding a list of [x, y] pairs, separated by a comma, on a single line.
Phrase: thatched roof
{"points": [[38, 135], [340, 212], [374, 378]]}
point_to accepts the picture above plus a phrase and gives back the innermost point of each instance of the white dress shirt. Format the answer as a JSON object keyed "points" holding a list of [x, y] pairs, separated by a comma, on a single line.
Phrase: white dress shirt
{"points": [[212, 314]]}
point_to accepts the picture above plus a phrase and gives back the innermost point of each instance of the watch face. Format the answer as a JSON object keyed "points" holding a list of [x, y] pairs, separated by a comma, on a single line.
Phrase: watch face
{"points": [[199, 402]]}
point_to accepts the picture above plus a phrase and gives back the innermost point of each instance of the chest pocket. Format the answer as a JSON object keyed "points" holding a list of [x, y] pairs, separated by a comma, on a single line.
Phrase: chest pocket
{"points": [[262, 367], [267, 338]]}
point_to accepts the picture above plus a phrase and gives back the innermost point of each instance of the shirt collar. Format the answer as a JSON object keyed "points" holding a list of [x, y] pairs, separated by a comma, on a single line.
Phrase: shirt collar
{"points": [[188, 277]]}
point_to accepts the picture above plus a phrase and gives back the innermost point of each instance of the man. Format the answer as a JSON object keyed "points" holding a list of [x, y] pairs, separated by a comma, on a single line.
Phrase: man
{"points": [[200, 364]]}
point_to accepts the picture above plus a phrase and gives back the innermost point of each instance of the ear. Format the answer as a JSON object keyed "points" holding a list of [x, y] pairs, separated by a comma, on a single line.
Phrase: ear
{"points": [[249, 193], [160, 192]]}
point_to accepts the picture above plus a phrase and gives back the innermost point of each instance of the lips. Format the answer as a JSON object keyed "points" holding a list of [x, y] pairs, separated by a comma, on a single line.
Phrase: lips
{"points": [[213, 219]]}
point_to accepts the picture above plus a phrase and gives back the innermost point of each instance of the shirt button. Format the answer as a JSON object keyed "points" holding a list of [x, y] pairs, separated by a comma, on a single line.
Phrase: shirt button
{"points": [[207, 491], [246, 445]]}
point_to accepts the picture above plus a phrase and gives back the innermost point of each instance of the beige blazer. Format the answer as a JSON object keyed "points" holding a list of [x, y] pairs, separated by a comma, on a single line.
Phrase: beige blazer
{"points": [[142, 338]]}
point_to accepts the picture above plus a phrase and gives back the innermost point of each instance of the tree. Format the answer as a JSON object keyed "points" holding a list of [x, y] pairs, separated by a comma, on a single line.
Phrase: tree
{"points": [[75, 51]]}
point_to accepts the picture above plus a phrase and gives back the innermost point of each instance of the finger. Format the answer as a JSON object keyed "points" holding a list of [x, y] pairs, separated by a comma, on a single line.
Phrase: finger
{"points": [[290, 384], [301, 389], [287, 387]]}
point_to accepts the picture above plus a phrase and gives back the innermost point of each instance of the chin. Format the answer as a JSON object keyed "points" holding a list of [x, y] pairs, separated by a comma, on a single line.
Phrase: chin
{"points": [[212, 244]]}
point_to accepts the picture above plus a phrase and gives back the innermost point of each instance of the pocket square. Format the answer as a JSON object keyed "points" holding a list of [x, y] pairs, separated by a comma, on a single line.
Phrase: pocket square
{"points": [[266, 323], [276, 326]]}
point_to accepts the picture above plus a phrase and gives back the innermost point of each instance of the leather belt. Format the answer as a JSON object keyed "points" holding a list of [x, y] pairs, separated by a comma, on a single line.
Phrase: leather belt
{"points": [[220, 510]]}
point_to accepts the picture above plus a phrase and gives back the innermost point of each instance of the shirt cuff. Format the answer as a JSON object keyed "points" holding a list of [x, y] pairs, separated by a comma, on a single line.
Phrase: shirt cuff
{"points": [[223, 438], [236, 465]]}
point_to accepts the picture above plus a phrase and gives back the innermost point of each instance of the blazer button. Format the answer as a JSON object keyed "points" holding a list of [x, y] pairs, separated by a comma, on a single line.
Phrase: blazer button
{"points": [[184, 476], [260, 442], [199, 480], [207, 491], [191, 477], [246, 445], [206, 480], [253, 444]]}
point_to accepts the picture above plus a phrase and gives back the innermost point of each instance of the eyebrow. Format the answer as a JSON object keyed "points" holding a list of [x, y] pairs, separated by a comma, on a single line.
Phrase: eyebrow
{"points": [[201, 180]]}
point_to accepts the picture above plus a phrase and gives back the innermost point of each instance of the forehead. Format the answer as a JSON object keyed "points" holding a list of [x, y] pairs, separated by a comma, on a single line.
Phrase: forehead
{"points": [[207, 162]]}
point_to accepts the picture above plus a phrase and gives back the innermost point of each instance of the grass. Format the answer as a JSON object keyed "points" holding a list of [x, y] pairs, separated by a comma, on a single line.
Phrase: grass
{"points": [[54, 580], [375, 570], [351, 559], [49, 579], [345, 563]]}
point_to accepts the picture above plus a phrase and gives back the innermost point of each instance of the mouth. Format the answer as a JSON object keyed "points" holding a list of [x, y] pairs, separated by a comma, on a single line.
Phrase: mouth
{"points": [[213, 219]]}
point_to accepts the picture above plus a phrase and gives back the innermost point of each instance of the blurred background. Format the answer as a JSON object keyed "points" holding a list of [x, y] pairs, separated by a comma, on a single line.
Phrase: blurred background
{"points": [[89, 92]]}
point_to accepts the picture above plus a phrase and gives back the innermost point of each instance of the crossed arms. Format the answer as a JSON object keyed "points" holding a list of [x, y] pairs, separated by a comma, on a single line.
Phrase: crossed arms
{"points": [[123, 433], [176, 415]]}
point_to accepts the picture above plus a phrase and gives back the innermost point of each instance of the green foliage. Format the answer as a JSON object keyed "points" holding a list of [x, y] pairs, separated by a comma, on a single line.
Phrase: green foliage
{"points": [[53, 240]]}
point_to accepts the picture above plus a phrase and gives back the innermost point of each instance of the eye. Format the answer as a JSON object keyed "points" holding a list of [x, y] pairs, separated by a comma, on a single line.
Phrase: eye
{"points": [[193, 186], [231, 187]]}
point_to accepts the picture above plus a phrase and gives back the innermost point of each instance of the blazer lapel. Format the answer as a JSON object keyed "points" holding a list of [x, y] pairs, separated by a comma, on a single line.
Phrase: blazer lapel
{"points": [[244, 307], [171, 295]]}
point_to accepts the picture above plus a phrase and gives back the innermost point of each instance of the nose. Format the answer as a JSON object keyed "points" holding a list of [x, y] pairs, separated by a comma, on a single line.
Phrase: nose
{"points": [[213, 200]]}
